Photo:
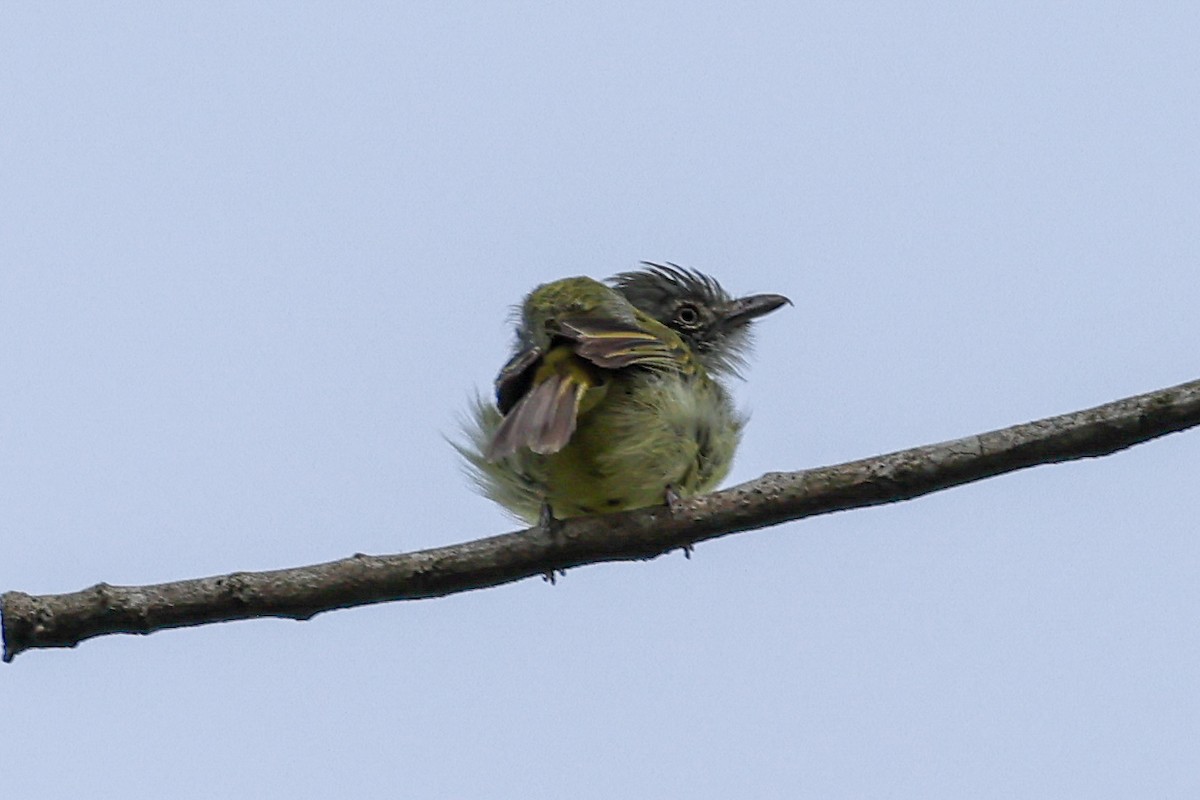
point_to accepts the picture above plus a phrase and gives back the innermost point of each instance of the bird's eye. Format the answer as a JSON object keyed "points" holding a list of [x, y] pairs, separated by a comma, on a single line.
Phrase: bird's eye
{"points": [[687, 314]]}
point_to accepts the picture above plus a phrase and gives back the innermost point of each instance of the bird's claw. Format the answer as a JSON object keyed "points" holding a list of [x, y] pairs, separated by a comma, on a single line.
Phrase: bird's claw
{"points": [[673, 499], [674, 507], [550, 526]]}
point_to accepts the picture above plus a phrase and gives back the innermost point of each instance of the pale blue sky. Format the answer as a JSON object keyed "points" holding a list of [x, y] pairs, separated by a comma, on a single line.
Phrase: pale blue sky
{"points": [[254, 258]]}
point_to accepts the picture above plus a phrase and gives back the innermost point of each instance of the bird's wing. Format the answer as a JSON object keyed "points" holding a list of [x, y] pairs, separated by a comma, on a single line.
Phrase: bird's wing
{"points": [[516, 377], [539, 392], [615, 344]]}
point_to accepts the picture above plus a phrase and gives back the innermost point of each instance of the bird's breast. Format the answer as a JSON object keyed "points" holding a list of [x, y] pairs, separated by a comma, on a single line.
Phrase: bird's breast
{"points": [[650, 431]]}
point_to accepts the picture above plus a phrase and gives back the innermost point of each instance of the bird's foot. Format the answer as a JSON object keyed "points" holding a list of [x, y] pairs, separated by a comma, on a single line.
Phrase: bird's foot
{"points": [[674, 501], [548, 524]]}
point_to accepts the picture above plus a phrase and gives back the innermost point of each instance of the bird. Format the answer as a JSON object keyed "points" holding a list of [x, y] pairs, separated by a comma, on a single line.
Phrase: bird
{"points": [[614, 397]]}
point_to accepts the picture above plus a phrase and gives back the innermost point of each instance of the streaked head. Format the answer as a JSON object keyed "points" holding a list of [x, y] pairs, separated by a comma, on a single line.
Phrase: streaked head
{"points": [[714, 323]]}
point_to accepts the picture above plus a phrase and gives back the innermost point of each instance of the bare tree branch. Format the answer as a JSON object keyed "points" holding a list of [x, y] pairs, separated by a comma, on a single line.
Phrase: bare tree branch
{"points": [[64, 620]]}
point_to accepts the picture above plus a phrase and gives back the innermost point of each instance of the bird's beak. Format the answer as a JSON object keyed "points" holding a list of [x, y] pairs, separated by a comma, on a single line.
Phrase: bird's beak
{"points": [[744, 309]]}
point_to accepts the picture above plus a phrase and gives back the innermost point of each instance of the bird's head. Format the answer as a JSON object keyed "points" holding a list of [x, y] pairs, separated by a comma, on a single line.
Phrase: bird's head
{"points": [[714, 324]]}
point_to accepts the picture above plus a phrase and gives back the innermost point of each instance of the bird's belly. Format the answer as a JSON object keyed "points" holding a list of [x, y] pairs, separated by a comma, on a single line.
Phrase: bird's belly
{"points": [[641, 440]]}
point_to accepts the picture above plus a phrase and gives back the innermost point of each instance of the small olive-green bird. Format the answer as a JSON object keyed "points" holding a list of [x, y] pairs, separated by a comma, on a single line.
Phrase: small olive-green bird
{"points": [[613, 398]]}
